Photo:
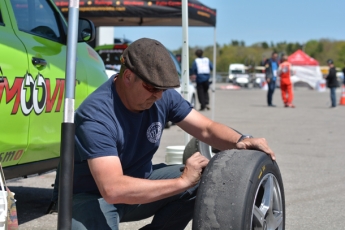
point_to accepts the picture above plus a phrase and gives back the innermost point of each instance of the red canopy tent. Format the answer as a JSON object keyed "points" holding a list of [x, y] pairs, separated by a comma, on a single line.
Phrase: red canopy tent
{"points": [[307, 69], [301, 58]]}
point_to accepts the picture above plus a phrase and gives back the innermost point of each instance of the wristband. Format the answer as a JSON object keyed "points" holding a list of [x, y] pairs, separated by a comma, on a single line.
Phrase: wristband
{"points": [[244, 136]]}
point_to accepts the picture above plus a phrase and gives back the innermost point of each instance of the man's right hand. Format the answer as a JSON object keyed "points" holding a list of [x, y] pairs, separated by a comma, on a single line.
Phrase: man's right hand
{"points": [[193, 169]]}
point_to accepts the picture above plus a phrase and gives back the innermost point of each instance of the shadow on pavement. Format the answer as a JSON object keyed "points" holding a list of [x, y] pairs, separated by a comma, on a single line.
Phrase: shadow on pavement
{"points": [[31, 203]]}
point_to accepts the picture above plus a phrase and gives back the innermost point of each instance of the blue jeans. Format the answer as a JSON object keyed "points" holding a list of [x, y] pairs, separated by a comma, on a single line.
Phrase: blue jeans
{"points": [[333, 96], [91, 211], [271, 87]]}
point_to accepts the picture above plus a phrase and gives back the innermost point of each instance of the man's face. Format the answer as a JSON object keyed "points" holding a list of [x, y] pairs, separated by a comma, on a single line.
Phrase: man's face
{"points": [[274, 56], [142, 95]]}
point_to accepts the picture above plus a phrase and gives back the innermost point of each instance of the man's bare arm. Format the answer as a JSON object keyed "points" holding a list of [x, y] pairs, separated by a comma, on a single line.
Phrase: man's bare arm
{"points": [[208, 131], [220, 136], [118, 188]]}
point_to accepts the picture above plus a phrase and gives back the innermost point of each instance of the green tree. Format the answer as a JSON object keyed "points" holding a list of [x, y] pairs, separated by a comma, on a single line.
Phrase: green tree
{"points": [[264, 45], [234, 43], [341, 54], [237, 52], [313, 48]]}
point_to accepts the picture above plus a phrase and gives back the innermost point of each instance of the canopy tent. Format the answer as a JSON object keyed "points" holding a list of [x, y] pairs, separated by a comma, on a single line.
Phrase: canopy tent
{"points": [[142, 13], [301, 58], [306, 69], [150, 13]]}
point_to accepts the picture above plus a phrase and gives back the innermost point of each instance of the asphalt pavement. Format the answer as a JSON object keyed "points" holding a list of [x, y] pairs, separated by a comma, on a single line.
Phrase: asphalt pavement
{"points": [[308, 141]]}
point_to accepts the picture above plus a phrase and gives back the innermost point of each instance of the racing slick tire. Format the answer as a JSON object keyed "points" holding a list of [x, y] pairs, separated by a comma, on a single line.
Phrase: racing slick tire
{"points": [[240, 189], [195, 145]]}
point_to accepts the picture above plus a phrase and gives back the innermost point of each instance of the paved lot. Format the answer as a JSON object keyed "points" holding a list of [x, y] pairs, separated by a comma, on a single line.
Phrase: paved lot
{"points": [[308, 142]]}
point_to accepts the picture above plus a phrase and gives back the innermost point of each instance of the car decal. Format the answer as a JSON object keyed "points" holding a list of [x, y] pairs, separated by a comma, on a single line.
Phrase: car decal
{"points": [[12, 155], [33, 94], [1, 76], [262, 170]]}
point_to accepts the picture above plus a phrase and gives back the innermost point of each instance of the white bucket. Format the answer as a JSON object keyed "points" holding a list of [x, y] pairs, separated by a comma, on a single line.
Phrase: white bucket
{"points": [[3, 209], [174, 154], [264, 85], [321, 85]]}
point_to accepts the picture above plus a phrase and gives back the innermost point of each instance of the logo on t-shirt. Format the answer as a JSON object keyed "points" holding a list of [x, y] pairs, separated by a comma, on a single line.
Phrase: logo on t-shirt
{"points": [[154, 132]]}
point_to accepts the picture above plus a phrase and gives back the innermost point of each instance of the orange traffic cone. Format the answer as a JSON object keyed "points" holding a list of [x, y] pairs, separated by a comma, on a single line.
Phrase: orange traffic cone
{"points": [[342, 98]]}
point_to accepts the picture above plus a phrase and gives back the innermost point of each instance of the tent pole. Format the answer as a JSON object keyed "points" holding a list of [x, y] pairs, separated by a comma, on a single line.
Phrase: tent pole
{"points": [[214, 75], [185, 57], [67, 127]]}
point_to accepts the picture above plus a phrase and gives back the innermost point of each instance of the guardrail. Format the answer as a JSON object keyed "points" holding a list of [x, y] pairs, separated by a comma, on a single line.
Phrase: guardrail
{"points": [[222, 77]]}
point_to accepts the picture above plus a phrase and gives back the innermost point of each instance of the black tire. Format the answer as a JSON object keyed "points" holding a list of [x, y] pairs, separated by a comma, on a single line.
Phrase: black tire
{"points": [[233, 193], [194, 145]]}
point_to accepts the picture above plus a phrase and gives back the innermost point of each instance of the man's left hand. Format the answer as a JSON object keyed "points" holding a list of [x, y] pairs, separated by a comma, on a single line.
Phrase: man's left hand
{"points": [[258, 144]]}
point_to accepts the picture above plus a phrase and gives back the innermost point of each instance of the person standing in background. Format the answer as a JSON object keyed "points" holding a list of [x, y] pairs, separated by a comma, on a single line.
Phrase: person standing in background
{"points": [[202, 67], [284, 72], [263, 60], [271, 69], [332, 82], [344, 75]]}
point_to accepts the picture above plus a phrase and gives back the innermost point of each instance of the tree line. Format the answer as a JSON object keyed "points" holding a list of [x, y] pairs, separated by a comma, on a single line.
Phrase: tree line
{"points": [[237, 52]]}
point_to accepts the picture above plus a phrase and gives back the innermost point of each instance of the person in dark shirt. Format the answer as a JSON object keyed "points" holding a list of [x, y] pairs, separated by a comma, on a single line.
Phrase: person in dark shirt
{"points": [[271, 69], [332, 82], [344, 75], [118, 129]]}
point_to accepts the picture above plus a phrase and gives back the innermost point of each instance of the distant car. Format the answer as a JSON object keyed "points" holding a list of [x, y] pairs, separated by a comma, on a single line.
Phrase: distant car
{"points": [[259, 76], [119, 41], [235, 69], [243, 80], [111, 54], [238, 75]]}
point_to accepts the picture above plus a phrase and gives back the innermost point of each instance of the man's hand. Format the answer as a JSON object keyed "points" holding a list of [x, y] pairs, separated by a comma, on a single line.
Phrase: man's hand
{"points": [[258, 144], [193, 168]]}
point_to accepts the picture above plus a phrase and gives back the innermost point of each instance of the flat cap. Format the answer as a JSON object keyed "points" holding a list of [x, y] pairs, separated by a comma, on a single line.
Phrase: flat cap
{"points": [[151, 62]]}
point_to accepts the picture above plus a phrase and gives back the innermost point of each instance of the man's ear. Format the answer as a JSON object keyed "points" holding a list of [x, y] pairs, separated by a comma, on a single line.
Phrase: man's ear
{"points": [[128, 78]]}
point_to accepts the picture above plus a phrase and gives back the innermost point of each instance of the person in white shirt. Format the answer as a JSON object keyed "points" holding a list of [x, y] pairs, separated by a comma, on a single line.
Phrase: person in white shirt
{"points": [[202, 67]]}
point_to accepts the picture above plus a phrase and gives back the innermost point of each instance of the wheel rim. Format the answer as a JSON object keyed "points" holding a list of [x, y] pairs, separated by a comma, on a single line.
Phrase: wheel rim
{"points": [[192, 102], [267, 212], [206, 150]]}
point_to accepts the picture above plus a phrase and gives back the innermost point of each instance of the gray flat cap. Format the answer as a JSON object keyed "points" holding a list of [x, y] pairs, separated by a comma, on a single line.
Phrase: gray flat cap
{"points": [[151, 62]]}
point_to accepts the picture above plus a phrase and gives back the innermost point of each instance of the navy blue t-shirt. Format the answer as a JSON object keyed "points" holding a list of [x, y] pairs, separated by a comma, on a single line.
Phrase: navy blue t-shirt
{"points": [[105, 127]]}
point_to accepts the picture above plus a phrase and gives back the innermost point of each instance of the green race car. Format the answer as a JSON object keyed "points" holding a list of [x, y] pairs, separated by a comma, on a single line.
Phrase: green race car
{"points": [[33, 37]]}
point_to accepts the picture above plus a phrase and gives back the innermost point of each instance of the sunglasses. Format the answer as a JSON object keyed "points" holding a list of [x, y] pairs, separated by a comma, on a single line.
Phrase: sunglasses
{"points": [[151, 88]]}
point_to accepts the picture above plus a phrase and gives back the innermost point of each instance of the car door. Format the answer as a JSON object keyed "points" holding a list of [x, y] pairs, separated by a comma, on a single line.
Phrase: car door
{"points": [[41, 29], [14, 125]]}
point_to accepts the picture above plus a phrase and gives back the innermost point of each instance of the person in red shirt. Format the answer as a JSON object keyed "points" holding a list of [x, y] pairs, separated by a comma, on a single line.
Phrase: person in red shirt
{"points": [[284, 71]]}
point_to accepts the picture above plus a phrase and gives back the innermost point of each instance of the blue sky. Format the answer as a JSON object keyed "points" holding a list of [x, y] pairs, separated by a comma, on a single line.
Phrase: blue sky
{"points": [[255, 21]]}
